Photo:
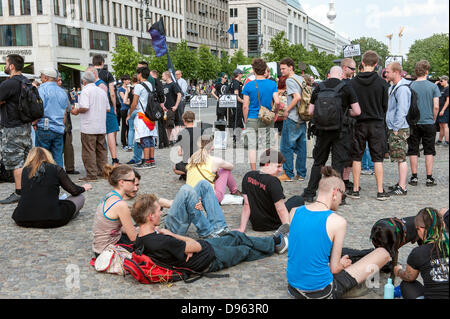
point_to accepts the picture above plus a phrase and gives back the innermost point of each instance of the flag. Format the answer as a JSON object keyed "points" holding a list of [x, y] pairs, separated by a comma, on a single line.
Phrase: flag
{"points": [[171, 68], [231, 31], [158, 38]]}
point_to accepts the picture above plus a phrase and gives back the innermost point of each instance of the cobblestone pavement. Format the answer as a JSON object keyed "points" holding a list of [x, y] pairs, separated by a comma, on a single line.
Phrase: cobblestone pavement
{"points": [[40, 263]]}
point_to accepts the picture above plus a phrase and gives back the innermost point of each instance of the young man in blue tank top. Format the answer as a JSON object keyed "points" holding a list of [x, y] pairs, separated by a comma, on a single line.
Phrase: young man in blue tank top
{"points": [[316, 267]]}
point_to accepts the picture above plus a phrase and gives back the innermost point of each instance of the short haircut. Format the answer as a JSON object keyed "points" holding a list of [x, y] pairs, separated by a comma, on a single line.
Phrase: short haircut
{"points": [[98, 60], [124, 77], [370, 58], [289, 62], [421, 68], [144, 72], [271, 156], [143, 63], [330, 179], [396, 67], [347, 62], [89, 77], [188, 116], [16, 60], [155, 72], [259, 66], [142, 207]]}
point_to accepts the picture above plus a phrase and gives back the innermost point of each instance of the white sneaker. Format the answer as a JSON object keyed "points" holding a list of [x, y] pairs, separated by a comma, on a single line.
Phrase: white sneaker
{"points": [[229, 199]]}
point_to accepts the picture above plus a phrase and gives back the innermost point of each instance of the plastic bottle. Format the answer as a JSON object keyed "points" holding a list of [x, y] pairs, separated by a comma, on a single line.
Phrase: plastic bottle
{"points": [[389, 290]]}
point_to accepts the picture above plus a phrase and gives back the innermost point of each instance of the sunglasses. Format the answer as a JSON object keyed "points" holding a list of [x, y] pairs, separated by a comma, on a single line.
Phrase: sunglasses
{"points": [[128, 180], [344, 195], [353, 69]]}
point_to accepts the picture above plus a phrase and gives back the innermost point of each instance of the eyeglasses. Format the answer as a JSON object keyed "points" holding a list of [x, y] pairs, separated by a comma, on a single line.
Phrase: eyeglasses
{"points": [[353, 69], [344, 196], [128, 180]]}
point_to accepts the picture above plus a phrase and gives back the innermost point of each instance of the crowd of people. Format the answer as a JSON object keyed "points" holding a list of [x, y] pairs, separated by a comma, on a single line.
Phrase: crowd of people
{"points": [[352, 117]]}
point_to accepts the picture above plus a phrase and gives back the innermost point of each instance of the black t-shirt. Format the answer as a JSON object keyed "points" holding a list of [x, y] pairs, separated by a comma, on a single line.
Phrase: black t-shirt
{"points": [[434, 271], [444, 96], [348, 93], [170, 91], [108, 78], [236, 85], [263, 191], [221, 89], [187, 139], [170, 251], [9, 94]]}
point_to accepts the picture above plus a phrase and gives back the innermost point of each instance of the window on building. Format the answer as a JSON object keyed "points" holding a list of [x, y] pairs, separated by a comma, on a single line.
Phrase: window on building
{"points": [[88, 10], [15, 35], [98, 40], [11, 7], [145, 46], [233, 12], [64, 2], [39, 6], [235, 28], [69, 37], [80, 10], [102, 12], [95, 11], [72, 9], [235, 45], [1, 8]]}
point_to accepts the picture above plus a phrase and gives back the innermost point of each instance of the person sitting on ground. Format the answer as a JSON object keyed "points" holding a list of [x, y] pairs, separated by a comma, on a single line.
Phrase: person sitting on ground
{"points": [[316, 267], [40, 206], [187, 143], [208, 255], [430, 260], [112, 220], [264, 202], [203, 166]]}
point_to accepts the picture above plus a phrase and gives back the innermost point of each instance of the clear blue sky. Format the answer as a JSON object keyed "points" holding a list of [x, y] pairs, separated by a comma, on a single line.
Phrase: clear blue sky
{"points": [[378, 18]]}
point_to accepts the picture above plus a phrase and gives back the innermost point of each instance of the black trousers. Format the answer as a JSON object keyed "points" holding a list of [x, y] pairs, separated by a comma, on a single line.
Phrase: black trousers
{"points": [[336, 142], [124, 128]]}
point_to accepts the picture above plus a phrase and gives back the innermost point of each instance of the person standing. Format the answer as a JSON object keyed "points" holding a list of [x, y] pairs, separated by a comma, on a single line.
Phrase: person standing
{"points": [[219, 89], [428, 102], [293, 135], [112, 124], [92, 108], [182, 84], [173, 99], [15, 136], [443, 116], [124, 91], [50, 128], [371, 91], [398, 128], [236, 118]]}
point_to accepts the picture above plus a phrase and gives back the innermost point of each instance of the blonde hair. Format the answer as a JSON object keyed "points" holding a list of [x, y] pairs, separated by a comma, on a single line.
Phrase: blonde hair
{"points": [[205, 144], [36, 157]]}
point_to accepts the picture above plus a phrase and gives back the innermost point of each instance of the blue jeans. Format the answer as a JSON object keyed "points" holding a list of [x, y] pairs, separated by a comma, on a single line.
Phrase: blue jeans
{"points": [[293, 140], [137, 151], [182, 212], [367, 163], [53, 142], [236, 247]]}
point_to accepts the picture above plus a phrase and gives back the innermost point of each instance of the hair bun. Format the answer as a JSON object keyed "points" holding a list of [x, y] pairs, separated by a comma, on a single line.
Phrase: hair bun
{"points": [[328, 171]]}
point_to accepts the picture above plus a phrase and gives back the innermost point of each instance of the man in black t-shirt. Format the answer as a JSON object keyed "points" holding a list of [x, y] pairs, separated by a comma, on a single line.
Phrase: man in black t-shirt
{"points": [[103, 74], [335, 141], [207, 255], [263, 194], [15, 136], [173, 98], [237, 118]]}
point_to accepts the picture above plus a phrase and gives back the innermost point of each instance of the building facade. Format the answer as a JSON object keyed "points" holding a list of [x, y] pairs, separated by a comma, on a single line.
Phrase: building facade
{"points": [[297, 28]]}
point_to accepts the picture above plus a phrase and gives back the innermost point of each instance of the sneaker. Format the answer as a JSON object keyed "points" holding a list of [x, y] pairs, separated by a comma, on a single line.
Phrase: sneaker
{"points": [[222, 232], [367, 172], [283, 233], [398, 191], [353, 194], [413, 181], [439, 142], [282, 230], [142, 165], [152, 164], [391, 188], [299, 178], [131, 162], [284, 178], [431, 182], [11, 199], [383, 196], [445, 144]]}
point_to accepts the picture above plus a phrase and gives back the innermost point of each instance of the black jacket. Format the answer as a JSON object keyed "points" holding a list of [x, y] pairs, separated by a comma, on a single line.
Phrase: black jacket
{"points": [[372, 92]]}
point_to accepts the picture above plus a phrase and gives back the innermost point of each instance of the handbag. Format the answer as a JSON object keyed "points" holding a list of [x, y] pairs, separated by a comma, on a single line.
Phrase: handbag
{"points": [[111, 260], [215, 177], [264, 115]]}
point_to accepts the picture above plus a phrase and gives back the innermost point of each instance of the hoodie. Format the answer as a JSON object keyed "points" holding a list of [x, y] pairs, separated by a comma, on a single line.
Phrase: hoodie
{"points": [[372, 92]]}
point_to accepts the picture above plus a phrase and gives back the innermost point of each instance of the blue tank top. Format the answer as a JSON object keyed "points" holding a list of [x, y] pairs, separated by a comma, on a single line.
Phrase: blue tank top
{"points": [[309, 250]]}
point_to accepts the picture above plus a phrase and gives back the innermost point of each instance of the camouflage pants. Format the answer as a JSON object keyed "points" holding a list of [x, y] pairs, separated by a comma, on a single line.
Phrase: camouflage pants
{"points": [[15, 143], [398, 145]]}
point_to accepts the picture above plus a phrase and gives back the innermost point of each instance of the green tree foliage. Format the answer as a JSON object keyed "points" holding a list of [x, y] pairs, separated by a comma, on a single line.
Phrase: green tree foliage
{"points": [[367, 44], [239, 58], [186, 60], [124, 58], [433, 49], [209, 66]]}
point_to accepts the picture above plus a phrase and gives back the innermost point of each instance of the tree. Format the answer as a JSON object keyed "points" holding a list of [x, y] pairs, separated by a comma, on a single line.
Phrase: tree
{"points": [[239, 58], [124, 58], [225, 64], [209, 66], [433, 49], [186, 60], [367, 44]]}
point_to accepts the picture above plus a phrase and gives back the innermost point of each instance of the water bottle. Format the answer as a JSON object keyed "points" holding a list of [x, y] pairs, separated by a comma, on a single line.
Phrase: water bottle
{"points": [[389, 290]]}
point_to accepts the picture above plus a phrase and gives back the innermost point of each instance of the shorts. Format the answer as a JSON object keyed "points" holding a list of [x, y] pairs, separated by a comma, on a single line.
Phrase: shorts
{"points": [[15, 143], [398, 145], [341, 284], [147, 142], [374, 134], [258, 134], [425, 133], [181, 166]]}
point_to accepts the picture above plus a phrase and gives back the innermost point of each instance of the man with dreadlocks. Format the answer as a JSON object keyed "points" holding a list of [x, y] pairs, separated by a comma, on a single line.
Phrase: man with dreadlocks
{"points": [[429, 259]]}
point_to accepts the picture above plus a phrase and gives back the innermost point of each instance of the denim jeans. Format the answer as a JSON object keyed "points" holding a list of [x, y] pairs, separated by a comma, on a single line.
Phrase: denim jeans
{"points": [[53, 142], [137, 151], [182, 212], [236, 247], [367, 163], [293, 140]]}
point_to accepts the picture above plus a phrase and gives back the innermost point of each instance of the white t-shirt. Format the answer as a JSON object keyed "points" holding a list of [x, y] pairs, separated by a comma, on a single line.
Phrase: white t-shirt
{"points": [[140, 128], [96, 100]]}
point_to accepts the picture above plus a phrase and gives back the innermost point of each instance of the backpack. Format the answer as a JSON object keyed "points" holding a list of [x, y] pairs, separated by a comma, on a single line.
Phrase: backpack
{"points": [[31, 107], [328, 113], [153, 110], [413, 115], [303, 106], [111, 259]]}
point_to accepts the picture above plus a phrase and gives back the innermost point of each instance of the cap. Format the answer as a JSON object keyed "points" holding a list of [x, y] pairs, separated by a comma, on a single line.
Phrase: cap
{"points": [[444, 78], [50, 72], [237, 71]]}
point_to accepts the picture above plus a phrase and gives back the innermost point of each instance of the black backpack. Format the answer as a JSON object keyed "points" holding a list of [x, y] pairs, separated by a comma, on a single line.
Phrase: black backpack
{"points": [[153, 110], [31, 107], [413, 115], [328, 113]]}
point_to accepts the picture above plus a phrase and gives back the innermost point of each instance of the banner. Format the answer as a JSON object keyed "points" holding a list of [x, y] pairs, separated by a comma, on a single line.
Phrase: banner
{"points": [[249, 76], [228, 101], [199, 101]]}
